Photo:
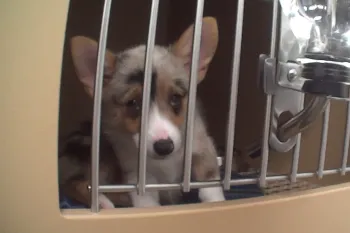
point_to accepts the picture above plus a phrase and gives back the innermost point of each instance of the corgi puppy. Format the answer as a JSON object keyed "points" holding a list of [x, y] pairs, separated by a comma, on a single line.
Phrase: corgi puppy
{"points": [[121, 112]]}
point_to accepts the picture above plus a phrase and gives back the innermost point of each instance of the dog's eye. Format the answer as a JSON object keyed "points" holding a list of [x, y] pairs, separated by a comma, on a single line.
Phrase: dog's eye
{"points": [[176, 102], [133, 108], [132, 103]]}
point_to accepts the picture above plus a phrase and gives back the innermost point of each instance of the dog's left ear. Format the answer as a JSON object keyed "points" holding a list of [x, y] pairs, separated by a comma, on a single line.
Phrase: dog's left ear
{"points": [[84, 53], [182, 48]]}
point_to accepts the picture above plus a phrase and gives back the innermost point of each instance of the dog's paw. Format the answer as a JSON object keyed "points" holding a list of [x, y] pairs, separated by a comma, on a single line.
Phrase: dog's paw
{"points": [[105, 203], [147, 200], [212, 194]]}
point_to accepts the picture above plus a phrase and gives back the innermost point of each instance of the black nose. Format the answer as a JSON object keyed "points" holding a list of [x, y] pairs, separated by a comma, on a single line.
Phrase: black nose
{"points": [[163, 147]]}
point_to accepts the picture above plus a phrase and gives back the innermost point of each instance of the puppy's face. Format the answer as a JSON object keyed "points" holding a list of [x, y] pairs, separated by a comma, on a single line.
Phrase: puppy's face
{"points": [[168, 99], [123, 86]]}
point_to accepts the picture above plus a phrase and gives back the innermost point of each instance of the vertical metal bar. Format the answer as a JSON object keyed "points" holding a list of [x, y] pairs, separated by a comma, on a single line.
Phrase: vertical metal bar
{"points": [[323, 142], [346, 142], [269, 102], [96, 121], [192, 95], [296, 155], [233, 95], [146, 97]]}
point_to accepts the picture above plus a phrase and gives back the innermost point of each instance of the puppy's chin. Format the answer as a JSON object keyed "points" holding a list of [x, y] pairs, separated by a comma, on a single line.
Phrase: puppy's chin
{"points": [[154, 155]]}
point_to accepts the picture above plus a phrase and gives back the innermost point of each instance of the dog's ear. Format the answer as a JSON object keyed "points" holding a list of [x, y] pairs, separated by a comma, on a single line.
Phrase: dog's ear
{"points": [[209, 40], [84, 53]]}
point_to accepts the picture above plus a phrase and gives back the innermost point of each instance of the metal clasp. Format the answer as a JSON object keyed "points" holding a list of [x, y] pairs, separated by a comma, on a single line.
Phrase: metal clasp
{"points": [[287, 100]]}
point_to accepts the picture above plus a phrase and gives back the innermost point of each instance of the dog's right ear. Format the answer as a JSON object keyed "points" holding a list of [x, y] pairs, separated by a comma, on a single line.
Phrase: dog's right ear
{"points": [[182, 48], [84, 53]]}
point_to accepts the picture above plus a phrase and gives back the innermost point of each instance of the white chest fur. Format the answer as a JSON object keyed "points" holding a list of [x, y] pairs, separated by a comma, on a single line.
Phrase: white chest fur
{"points": [[167, 170]]}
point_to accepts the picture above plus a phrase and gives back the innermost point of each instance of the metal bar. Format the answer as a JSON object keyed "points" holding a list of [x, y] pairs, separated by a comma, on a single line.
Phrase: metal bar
{"points": [[96, 121], [233, 95], [346, 142], [332, 172], [238, 182], [323, 142], [158, 187], [269, 102], [192, 95], [285, 177], [146, 97], [296, 154]]}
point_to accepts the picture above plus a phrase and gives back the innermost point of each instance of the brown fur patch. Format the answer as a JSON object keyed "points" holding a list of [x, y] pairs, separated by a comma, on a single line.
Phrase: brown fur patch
{"points": [[78, 190], [132, 125], [120, 199], [127, 117], [204, 167], [165, 88], [178, 119], [75, 169]]}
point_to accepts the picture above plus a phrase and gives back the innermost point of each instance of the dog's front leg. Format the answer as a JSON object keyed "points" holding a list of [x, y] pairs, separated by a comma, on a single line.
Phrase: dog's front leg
{"points": [[205, 168], [149, 199], [211, 194]]}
